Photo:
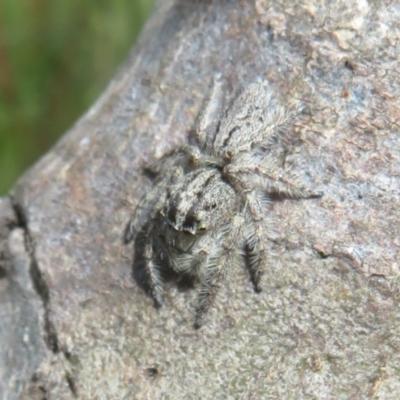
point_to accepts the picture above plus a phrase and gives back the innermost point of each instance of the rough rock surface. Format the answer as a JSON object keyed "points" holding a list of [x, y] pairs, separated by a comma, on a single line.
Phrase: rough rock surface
{"points": [[74, 322]]}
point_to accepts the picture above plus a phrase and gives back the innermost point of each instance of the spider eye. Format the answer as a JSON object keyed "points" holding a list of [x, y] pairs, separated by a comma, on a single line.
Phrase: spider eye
{"points": [[172, 214], [190, 222]]}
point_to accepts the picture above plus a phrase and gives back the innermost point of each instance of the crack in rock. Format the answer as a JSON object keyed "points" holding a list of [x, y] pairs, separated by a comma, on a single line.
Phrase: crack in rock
{"points": [[41, 288], [37, 278]]}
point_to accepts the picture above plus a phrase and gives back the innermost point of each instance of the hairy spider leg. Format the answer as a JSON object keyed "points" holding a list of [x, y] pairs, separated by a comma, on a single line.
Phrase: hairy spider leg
{"points": [[217, 268], [256, 236], [267, 175], [151, 203], [210, 117], [152, 269]]}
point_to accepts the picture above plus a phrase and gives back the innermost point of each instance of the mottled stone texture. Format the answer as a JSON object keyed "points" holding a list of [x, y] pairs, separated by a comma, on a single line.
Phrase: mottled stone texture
{"points": [[74, 322]]}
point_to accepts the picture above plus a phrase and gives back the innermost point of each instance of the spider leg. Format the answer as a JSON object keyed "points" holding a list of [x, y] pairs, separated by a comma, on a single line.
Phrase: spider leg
{"points": [[210, 117], [256, 237], [209, 289], [216, 267], [151, 203], [193, 255], [269, 176], [182, 157], [152, 269]]}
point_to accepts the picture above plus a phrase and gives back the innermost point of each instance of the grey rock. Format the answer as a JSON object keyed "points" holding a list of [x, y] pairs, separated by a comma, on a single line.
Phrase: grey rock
{"points": [[326, 326]]}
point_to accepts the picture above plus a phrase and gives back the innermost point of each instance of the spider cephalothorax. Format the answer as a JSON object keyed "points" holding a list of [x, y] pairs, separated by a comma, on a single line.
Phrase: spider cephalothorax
{"points": [[200, 201], [208, 207]]}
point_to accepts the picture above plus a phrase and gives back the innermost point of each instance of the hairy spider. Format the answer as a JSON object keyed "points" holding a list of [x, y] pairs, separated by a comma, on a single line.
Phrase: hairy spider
{"points": [[207, 208]]}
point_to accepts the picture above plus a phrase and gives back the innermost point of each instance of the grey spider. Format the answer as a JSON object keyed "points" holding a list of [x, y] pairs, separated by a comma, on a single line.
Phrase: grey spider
{"points": [[207, 209]]}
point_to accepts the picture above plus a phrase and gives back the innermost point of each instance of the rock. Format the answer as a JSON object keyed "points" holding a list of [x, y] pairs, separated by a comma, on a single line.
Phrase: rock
{"points": [[327, 324]]}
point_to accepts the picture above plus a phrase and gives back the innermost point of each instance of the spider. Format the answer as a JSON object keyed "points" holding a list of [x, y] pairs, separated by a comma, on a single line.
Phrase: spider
{"points": [[208, 207]]}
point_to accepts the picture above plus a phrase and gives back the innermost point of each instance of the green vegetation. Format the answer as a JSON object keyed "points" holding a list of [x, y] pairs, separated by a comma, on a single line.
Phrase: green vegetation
{"points": [[56, 56]]}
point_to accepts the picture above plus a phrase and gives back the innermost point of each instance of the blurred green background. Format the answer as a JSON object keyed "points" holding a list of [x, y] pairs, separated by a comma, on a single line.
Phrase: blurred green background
{"points": [[56, 57]]}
